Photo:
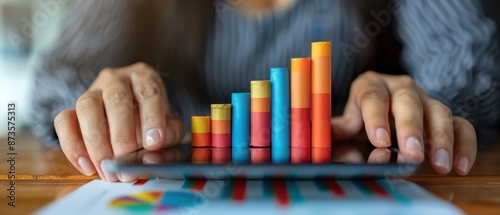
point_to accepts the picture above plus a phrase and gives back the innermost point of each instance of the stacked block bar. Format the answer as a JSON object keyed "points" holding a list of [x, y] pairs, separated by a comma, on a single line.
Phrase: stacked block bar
{"points": [[321, 94], [200, 131], [261, 113], [280, 107], [240, 119], [300, 102], [221, 125]]}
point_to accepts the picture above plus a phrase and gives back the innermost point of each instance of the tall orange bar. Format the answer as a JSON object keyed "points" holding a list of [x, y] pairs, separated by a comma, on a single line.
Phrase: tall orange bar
{"points": [[221, 125], [321, 92], [260, 93], [200, 131], [300, 102]]}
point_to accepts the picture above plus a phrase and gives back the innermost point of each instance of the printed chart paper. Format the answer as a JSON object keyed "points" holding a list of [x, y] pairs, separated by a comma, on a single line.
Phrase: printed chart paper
{"points": [[260, 197]]}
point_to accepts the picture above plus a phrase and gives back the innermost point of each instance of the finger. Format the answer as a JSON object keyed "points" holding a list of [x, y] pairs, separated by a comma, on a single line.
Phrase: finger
{"points": [[118, 103], [149, 93], [380, 155], [70, 138], [175, 124], [372, 98], [408, 117], [92, 121], [439, 129], [130, 158], [349, 124], [465, 147]]}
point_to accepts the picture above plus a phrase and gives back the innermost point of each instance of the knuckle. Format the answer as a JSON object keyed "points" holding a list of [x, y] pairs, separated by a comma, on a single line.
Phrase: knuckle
{"points": [[373, 95], [141, 66], [87, 102], [370, 74], [461, 123], [152, 118], [408, 98], [444, 112], [107, 73], [95, 141], [406, 80], [61, 119], [116, 98], [148, 89], [120, 141], [442, 135]]}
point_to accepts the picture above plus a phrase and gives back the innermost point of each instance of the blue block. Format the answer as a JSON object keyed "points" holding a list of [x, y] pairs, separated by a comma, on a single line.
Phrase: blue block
{"points": [[280, 107], [240, 126]]}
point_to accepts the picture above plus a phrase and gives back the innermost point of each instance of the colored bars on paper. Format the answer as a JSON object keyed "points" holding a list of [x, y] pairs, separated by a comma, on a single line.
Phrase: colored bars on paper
{"points": [[240, 119], [280, 108], [321, 113], [300, 75], [200, 131], [261, 113], [221, 125]]}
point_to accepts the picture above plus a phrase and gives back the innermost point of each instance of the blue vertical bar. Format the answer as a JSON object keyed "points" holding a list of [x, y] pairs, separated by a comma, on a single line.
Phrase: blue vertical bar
{"points": [[240, 126], [280, 108]]}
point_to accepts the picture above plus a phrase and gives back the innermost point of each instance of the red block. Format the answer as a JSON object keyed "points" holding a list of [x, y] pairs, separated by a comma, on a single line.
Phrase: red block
{"points": [[261, 129]]}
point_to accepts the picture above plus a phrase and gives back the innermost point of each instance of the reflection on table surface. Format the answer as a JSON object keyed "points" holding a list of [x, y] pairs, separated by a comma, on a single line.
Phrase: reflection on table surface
{"points": [[341, 152]]}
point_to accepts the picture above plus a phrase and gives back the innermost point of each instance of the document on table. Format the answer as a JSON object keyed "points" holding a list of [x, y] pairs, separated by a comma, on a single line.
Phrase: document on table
{"points": [[163, 196]]}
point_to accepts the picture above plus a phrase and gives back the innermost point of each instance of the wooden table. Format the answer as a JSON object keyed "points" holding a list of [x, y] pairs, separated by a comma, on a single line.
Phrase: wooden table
{"points": [[44, 175]]}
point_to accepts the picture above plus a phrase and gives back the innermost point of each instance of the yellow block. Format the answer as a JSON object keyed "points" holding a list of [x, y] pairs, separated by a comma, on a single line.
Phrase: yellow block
{"points": [[321, 49], [221, 111], [260, 89], [200, 124]]}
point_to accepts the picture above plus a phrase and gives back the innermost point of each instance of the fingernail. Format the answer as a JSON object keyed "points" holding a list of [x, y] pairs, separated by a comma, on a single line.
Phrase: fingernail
{"points": [[442, 159], [86, 166], [108, 174], [170, 136], [413, 145], [126, 177], [382, 136], [463, 164], [152, 136], [414, 150]]}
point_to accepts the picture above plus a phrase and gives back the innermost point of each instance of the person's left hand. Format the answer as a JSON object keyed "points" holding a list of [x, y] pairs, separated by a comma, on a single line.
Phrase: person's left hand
{"points": [[375, 99]]}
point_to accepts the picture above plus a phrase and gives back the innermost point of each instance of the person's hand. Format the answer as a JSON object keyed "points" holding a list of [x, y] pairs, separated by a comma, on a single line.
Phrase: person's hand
{"points": [[376, 99], [103, 123]]}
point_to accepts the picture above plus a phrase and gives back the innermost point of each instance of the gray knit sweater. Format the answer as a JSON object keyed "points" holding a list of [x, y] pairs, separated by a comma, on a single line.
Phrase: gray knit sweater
{"points": [[447, 47]]}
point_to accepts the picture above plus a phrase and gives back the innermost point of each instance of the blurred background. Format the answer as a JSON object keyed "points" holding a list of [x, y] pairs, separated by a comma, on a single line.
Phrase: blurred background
{"points": [[28, 27]]}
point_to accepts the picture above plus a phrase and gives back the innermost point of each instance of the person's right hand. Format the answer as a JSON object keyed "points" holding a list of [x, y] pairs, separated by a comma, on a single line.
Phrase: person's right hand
{"points": [[104, 121]]}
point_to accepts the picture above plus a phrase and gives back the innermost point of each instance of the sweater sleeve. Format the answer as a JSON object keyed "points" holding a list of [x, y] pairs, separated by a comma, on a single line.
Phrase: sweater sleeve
{"points": [[94, 35], [449, 49]]}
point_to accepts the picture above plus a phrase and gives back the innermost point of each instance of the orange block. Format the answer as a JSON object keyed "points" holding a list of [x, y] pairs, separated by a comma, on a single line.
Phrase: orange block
{"points": [[300, 78], [261, 104], [321, 75], [221, 126]]}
